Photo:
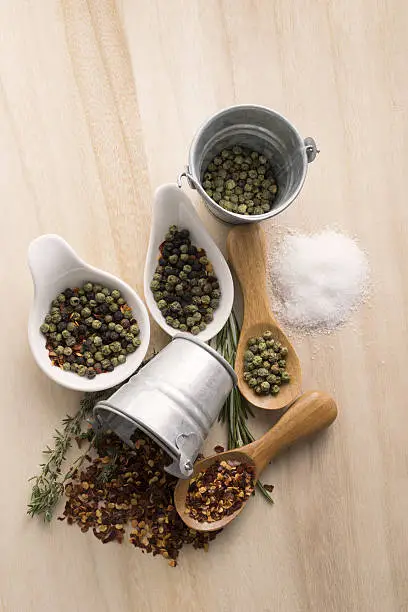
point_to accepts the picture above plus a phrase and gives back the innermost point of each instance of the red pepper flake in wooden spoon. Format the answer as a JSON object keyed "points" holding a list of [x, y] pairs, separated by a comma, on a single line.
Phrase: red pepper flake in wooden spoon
{"points": [[219, 491]]}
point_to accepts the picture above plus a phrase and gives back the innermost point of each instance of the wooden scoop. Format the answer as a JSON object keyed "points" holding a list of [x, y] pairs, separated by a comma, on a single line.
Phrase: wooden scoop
{"points": [[246, 253], [309, 414]]}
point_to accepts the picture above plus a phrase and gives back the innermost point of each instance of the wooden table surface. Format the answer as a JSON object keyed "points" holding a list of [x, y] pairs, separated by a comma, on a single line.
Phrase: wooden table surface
{"points": [[98, 104]]}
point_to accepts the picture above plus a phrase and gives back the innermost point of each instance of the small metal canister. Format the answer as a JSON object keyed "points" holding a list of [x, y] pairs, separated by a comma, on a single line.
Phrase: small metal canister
{"points": [[261, 129], [174, 399]]}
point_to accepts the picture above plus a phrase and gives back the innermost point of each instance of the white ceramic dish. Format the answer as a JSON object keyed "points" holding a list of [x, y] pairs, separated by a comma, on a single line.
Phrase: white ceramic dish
{"points": [[172, 207], [55, 266]]}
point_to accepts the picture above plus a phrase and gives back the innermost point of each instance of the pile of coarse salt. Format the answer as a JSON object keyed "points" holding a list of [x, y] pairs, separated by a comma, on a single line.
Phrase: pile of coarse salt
{"points": [[318, 280]]}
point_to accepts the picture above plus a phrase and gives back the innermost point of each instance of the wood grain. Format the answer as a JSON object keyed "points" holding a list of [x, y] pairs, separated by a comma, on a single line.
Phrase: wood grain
{"points": [[98, 105]]}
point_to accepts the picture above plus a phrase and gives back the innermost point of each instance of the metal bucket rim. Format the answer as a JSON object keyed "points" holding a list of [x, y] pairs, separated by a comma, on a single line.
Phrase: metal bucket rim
{"points": [[173, 451], [209, 349]]}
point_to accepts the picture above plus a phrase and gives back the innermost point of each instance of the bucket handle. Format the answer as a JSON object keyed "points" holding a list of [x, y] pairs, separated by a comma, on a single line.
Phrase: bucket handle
{"points": [[192, 183], [311, 149]]}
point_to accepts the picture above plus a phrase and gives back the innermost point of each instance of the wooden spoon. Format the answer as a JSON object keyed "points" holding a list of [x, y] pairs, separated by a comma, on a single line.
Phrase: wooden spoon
{"points": [[246, 253], [309, 414]]}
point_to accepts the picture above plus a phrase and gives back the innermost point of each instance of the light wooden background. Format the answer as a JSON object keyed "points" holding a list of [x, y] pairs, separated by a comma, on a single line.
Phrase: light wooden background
{"points": [[98, 104]]}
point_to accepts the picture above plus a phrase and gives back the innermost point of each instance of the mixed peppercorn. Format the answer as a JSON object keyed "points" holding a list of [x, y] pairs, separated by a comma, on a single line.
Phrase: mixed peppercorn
{"points": [[122, 487], [90, 330], [241, 181], [265, 364], [184, 285], [219, 491]]}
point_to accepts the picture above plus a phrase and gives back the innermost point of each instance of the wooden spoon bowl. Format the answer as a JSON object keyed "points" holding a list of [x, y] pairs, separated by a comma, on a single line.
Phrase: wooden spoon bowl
{"points": [[309, 414], [246, 253]]}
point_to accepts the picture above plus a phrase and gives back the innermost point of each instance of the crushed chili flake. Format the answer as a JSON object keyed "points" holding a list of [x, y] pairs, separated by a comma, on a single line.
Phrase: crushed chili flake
{"points": [[121, 486], [218, 449], [269, 488], [220, 490]]}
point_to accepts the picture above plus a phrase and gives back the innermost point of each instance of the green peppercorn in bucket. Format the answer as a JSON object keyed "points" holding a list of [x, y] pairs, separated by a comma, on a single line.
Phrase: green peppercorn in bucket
{"points": [[248, 163], [174, 399]]}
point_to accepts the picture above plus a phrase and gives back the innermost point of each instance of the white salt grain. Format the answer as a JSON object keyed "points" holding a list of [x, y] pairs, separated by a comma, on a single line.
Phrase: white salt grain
{"points": [[318, 280]]}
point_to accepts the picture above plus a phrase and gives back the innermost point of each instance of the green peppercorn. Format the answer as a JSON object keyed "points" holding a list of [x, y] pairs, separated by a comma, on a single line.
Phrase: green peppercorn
{"points": [[97, 340], [100, 297], [105, 350], [66, 366], [248, 355], [121, 359], [115, 294], [45, 328], [88, 287], [262, 372], [285, 377], [265, 387], [105, 363], [96, 324], [67, 351], [162, 304], [70, 341], [113, 307], [275, 389], [257, 360], [282, 363]]}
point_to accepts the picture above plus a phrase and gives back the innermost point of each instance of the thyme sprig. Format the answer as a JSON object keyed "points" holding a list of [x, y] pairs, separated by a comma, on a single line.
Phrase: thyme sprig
{"points": [[48, 485]]}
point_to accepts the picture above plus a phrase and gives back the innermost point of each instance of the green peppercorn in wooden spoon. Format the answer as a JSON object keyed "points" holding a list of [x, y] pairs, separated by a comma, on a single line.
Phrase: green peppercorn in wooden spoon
{"points": [[310, 413], [246, 253]]}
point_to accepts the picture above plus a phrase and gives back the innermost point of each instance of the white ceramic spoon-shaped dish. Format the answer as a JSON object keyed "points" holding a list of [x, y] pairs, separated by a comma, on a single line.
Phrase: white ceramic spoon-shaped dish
{"points": [[55, 266], [172, 207]]}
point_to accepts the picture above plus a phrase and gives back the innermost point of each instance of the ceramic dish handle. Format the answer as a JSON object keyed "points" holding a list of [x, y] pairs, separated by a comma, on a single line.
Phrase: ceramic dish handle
{"points": [[50, 257]]}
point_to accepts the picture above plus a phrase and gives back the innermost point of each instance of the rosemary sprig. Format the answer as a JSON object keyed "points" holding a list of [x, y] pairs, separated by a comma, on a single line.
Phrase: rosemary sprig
{"points": [[236, 410]]}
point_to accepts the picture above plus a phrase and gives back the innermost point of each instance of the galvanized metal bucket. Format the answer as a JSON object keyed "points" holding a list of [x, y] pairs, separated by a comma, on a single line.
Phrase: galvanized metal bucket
{"points": [[260, 129], [174, 399]]}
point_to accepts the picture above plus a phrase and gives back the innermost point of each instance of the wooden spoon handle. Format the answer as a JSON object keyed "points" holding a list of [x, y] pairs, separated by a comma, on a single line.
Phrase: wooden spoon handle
{"points": [[309, 414], [246, 253]]}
